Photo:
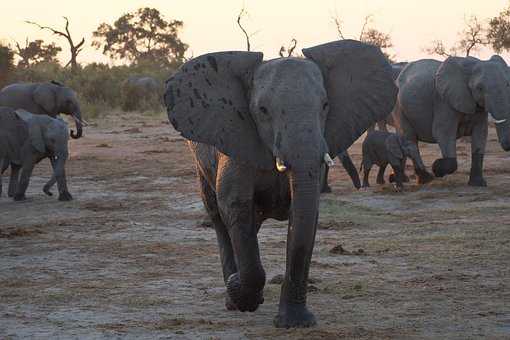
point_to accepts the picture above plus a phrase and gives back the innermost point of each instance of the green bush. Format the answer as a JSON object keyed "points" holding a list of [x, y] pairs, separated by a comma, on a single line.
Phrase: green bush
{"points": [[100, 87]]}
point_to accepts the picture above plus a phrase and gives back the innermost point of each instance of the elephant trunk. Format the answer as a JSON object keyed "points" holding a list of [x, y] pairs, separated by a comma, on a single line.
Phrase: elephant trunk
{"points": [[79, 124], [503, 131], [305, 191]]}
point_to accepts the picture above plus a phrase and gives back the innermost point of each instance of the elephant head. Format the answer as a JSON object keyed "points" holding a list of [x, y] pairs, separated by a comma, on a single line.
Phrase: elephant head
{"points": [[470, 84], [289, 115], [55, 98]]}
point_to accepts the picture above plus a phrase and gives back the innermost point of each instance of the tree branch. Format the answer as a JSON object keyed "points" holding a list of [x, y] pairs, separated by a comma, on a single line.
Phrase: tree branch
{"points": [[241, 14]]}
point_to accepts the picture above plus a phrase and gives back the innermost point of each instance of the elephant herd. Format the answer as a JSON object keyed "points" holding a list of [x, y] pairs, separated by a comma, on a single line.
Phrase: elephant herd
{"points": [[264, 132]]}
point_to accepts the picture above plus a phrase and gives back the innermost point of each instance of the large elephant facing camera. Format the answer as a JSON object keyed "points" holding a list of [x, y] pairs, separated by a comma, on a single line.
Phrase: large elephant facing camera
{"points": [[49, 98], [439, 102], [260, 133]]}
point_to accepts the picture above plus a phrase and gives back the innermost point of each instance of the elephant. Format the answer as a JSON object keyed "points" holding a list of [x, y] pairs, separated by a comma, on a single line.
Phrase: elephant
{"points": [[349, 166], [25, 140], [439, 102], [260, 133], [388, 120], [49, 98], [383, 148], [136, 88]]}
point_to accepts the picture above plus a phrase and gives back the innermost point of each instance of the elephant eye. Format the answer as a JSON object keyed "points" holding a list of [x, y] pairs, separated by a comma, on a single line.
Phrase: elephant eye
{"points": [[325, 106]]}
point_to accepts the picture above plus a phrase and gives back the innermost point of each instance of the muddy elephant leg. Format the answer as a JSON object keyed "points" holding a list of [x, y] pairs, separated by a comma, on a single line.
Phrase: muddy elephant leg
{"points": [[13, 180], [235, 202], [380, 174], [444, 127], [325, 188], [478, 143], [227, 258]]}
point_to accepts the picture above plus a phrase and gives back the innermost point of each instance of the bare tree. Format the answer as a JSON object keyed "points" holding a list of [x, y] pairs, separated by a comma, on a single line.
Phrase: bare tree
{"points": [[74, 48], [289, 50], [247, 35], [471, 38], [368, 34]]}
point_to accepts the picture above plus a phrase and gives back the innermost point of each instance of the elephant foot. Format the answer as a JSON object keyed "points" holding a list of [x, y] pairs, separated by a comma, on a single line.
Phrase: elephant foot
{"points": [[294, 316], [20, 197], [229, 304], [326, 189], [65, 196], [405, 178], [444, 166], [423, 176], [246, 300], [477, 182], [398, 188], [47, 191]]}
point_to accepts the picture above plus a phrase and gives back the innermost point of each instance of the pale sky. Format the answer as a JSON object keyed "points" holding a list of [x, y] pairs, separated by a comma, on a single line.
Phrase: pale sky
{"points": [[211, 25]]}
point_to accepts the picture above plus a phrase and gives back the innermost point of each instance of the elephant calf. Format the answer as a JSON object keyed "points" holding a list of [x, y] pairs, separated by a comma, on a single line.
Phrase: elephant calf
{"points": [[383, 148], [25, 140]]}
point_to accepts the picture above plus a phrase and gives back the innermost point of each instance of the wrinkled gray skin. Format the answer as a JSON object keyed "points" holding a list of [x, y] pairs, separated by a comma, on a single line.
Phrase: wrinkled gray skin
{"points": [[388, 120], [50, 98], [439, 102], [382, 148], [25, 140], [240, 114], [349, 166]]}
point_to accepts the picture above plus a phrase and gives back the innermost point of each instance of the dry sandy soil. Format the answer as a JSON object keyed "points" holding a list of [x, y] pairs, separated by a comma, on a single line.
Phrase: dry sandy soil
{"points": [[128, 257]]}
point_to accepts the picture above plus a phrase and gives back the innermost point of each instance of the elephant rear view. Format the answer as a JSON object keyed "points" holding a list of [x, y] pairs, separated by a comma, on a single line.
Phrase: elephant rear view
{"points": [[48, 98], [439, 102]]}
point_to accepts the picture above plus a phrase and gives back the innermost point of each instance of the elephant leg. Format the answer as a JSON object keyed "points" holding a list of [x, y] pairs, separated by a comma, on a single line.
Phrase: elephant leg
{"points": [[226, 252], [366, 172], [380, 174], [478, 143], [49, 184], [350, 168], [235, 191], [13, 180], [24, 180], [399, 176], [325, 188], [444, 128]]}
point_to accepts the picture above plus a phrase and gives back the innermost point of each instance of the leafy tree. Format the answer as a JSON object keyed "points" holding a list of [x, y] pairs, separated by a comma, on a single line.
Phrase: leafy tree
{"points": [[142, 35], [6, 63], [499, 31], [36, 52]]}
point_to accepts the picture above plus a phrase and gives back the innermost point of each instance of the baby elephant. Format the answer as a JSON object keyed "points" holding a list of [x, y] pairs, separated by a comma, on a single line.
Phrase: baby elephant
{"points": [[25, 140], [383, 148]]}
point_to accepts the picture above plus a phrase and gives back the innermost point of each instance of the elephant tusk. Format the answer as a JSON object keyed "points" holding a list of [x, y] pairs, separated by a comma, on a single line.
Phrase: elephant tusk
{"points": [[83, 122], [280, 166], [328, 160], [494, 120]]}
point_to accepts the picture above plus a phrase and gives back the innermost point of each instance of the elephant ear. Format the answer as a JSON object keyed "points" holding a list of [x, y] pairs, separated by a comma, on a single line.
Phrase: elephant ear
{"points": [[393, 146], [359, 83], [34, 130], [207, 102], [45, 97], [452, 84]]}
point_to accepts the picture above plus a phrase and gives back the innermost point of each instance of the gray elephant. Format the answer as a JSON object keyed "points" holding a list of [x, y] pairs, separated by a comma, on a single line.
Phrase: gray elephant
{"points": [[439, 102], [383, 148], [141, 91], [349, 166], [49, 98], [260, 133], [25, 140], [388, 120]]}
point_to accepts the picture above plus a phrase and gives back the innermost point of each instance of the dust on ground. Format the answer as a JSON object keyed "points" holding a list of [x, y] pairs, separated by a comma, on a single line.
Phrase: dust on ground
{"points": [[129, 258]]}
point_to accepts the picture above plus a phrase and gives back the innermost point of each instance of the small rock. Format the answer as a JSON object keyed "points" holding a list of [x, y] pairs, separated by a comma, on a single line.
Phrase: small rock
{"points": [[312, 289], [338, 249], [103, 145]]}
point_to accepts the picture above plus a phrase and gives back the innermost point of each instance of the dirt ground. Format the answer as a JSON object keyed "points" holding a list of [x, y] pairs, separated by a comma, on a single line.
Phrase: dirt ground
{"points": [[128, 258]]}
